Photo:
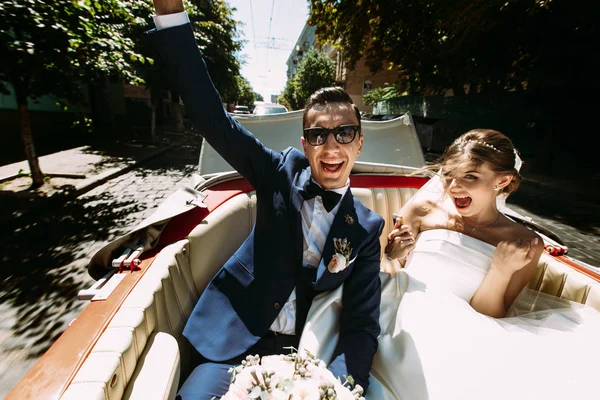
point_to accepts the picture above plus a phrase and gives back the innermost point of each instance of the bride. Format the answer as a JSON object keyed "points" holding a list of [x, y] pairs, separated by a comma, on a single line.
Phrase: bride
{"points": [[457, 321], [475, 169]]}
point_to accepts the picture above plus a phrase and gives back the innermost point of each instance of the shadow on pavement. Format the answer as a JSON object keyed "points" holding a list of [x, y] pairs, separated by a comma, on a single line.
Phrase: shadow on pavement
{"points": [[121, 154], [44, 265], [567, 209], [46, 253], [573, 218]]}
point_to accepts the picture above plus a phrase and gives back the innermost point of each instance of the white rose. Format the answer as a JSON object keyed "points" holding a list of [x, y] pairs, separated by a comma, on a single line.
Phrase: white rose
{"points": [[305, 389], [337, 264], [284, 369]]}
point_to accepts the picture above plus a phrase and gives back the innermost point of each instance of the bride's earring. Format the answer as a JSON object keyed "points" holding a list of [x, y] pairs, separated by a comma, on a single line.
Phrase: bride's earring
{"points": [[496, 187]]}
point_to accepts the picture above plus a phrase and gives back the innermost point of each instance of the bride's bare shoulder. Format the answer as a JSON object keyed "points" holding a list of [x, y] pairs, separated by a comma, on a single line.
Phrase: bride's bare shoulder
{"points": [[422, 207], [513, 230], [524, 231], [425, 214]]}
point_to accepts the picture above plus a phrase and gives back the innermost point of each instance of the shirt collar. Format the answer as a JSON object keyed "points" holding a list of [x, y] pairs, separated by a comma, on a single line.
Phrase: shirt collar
{"points": [[342, 190]]}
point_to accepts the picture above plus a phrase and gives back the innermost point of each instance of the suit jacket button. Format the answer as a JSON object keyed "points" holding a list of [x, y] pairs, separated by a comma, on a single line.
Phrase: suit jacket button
{"points": [[276, 306]]}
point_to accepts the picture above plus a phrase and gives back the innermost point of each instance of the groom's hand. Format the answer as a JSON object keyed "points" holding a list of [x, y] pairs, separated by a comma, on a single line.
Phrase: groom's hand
{"points": [[164, 7], [400, 240]]}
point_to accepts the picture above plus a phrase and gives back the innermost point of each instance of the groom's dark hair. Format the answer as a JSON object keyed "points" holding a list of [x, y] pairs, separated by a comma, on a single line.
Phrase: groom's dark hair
{"points": [[323, 96]]}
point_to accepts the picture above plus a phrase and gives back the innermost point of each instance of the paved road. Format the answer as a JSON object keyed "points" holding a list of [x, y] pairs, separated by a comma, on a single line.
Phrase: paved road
{"points": [[44, 261], [43, 265], [575, 221]]}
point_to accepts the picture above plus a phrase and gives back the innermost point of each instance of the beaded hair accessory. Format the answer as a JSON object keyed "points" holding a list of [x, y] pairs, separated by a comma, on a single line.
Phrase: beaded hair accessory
{"points": [[480, 142], [518, 161]]}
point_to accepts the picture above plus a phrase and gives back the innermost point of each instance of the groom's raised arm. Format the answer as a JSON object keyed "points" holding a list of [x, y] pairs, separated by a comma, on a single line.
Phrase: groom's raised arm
{"points": [[177, 51]]}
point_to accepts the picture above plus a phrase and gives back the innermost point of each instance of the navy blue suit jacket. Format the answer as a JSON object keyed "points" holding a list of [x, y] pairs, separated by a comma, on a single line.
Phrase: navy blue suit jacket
{"points": [[242, 300]]}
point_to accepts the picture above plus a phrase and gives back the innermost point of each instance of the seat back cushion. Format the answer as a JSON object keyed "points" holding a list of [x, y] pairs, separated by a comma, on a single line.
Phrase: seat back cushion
{"points": [[557, 279], [165, 296], [160, 302], [213, 242]]}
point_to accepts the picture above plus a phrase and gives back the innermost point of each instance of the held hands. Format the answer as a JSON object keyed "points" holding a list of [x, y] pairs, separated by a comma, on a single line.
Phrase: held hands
{"points": [[400, 243], [164, 7], [512, 255]]}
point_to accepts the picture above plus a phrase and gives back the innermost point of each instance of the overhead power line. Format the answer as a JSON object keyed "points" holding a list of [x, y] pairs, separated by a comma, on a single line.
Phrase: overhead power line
{"points": [[269, 34], [253, 30], [274, 43]]}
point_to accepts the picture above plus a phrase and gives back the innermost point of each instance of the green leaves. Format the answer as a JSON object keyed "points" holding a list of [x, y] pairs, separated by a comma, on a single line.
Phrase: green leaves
{"points": [[52, 47], [315, 71], [491, 45], [382, 93], [217, 36], [55, 47], [245, 95]]}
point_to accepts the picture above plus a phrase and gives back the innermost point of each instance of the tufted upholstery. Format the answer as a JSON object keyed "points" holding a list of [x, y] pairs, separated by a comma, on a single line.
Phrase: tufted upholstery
{"points": [[146, 327], [142, 354], [551, 277], [557, 279]]}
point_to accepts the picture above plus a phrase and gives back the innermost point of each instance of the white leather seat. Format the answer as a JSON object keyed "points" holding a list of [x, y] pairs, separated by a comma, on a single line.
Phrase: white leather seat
{"points": [[142, 354]]}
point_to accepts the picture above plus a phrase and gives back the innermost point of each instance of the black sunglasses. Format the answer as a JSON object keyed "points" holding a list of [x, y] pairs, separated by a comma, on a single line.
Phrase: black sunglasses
{"points": [[344, 134]]}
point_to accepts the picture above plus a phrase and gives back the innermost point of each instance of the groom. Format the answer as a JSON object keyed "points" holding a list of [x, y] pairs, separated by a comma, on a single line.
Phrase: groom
{"points": [[258, 302]]}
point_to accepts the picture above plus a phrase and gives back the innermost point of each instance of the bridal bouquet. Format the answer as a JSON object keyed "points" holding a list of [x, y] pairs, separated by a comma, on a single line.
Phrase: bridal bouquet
{"points": [[288, 377]]}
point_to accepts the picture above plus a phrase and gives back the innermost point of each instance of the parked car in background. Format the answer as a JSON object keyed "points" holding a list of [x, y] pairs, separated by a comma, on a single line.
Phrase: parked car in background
{"points": [[241, 110], [269, 108]]}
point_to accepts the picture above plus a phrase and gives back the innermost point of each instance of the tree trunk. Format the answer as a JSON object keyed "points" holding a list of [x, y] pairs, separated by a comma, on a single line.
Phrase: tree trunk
{"points": [[458, 89], [27, 138], [180, 127], [153, 123]]}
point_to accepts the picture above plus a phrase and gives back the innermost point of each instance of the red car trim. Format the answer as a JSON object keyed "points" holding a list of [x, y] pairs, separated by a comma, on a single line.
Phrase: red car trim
{"points": [[50, 377], [52, 374]]}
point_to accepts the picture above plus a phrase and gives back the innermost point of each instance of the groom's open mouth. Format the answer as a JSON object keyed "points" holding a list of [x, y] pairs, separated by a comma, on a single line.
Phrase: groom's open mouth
{"points": [[332, 166], [462, 201]]}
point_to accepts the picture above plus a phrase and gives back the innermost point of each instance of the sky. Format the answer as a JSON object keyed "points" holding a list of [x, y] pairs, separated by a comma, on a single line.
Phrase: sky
{"points": [[281, 21]]}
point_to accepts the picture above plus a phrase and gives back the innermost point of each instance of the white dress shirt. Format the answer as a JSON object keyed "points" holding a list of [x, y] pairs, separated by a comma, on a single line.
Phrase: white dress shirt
{"points": [[170, 20], [316, 221]]}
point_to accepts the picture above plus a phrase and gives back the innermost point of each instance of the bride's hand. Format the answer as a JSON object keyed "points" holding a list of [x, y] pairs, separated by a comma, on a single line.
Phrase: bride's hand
{"points": [[512, 255], [400, 241]]}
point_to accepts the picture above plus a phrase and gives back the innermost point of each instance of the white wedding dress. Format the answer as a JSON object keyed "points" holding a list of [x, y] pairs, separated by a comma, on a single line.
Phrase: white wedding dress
{"points": [[434, 345]]}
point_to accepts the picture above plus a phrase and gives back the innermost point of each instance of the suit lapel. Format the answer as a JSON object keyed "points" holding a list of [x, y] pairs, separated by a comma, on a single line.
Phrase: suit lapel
{"points": [[346, 225]]}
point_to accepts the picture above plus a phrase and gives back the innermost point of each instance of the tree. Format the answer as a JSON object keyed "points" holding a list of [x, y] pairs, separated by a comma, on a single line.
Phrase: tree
{"points": [[57, 47], [382, 93], [258, 97], [54, 47], [218, 38], [246, 94], [288, 96], [492, 45], [315, 71]]}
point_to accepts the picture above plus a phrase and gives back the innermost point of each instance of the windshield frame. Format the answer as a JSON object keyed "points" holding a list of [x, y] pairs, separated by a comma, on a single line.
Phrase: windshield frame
{"points": [[269, 110]]}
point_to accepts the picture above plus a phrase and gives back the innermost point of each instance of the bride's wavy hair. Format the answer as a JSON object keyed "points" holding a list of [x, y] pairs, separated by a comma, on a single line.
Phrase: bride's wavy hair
{"points": [[480, 146]]}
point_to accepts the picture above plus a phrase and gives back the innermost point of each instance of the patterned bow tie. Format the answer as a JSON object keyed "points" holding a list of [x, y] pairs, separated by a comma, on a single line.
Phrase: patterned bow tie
{"points": [[311, 190]]}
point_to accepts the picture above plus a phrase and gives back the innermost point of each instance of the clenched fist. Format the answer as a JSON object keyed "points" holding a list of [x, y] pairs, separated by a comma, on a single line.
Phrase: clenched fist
{"points": [[512, 255], [164, 7]]}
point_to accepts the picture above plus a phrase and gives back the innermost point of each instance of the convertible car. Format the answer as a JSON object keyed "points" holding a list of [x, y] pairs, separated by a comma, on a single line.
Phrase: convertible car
{"points": [[127, 343]]}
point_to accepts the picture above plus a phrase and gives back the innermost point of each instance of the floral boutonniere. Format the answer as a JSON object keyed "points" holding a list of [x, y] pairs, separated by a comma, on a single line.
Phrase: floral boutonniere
{"points": [[341, 258]]}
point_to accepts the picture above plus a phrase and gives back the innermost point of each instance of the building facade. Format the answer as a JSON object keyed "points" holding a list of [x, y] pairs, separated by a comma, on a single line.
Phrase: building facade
{"points": [[357, 82], [305, 42]]}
